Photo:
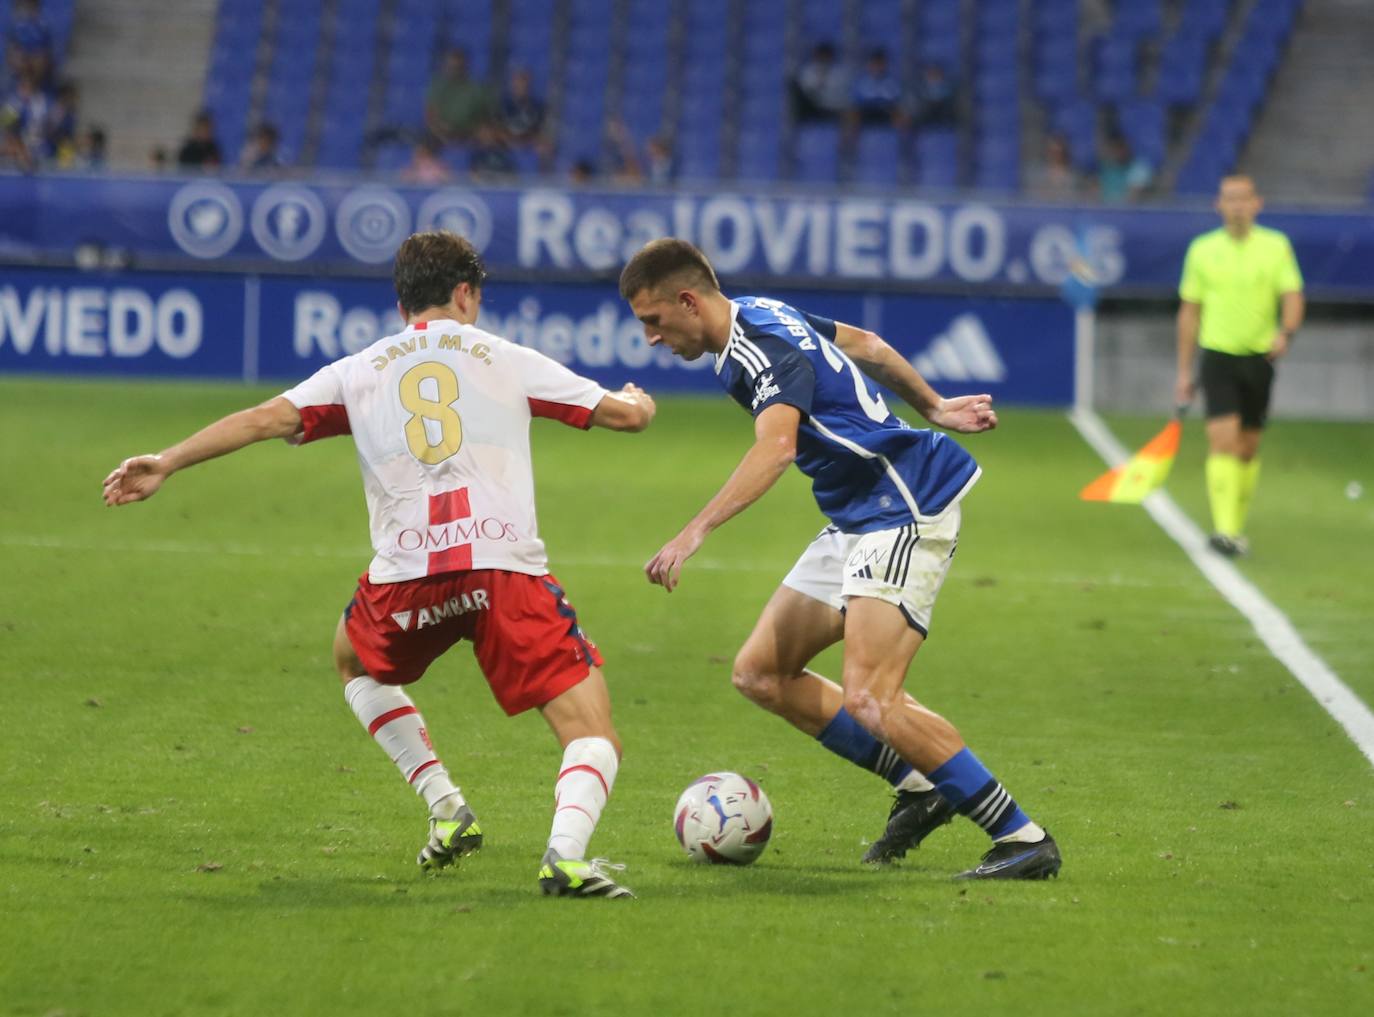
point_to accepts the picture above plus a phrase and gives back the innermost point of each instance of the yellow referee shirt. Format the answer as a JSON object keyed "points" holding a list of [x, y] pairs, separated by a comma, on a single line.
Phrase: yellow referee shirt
{"points": [[1238, 283]]}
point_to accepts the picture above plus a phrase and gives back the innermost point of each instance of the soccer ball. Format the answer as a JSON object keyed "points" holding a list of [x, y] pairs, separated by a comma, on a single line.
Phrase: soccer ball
{"points": [[723, 818]]}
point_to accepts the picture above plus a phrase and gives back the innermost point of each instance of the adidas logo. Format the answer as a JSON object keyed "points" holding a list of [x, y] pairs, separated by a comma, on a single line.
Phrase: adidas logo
{"points": [[963, 352], [864, 573]]}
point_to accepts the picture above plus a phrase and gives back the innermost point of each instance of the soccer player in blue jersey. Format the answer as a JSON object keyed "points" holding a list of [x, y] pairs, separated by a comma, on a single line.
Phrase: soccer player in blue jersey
{"points": [[892, 495]]}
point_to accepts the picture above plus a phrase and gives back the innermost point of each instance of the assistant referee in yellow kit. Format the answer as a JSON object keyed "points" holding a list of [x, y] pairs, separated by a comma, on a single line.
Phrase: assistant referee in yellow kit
{"points": [[1242, 303]]}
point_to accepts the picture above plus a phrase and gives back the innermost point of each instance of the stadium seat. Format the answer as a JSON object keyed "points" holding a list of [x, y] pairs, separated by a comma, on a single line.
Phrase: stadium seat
{"points": [[937, 159], [816, 158], [1116, 60], [759, 155], [1137, 18], [878, 157], [392, 157], [881, 24], [698, 154], [1142, 122], [821, 21]]}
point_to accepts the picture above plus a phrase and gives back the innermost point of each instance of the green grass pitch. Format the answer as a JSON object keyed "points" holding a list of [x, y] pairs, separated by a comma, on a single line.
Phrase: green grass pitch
{"points": [[192, 823]]}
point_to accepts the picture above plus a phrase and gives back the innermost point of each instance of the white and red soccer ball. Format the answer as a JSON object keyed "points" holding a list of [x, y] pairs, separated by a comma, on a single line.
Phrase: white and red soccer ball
{"points": [[723, 818]]}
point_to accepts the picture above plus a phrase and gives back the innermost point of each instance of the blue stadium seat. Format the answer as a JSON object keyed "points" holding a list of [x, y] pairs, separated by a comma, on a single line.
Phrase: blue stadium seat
{"points": [[999, 17], [998, 117], [1204, 19], [878, 157], [642, 112], [759, 156], [997, 85], [817, 154], [1142, 122], [998, 52], [698, 161], [821, 21], [1056, 69], [1116, 60], [937, 159], [881, 23], [1182, 69], [403, 102], [356, 11], [706, 16], [1001, 175], [1137, 18], [1055, 19]]}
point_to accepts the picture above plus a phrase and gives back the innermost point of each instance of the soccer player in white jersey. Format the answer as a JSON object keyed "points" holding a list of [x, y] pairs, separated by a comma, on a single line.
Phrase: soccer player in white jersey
{"points": [[892, 495], [440, 414]]}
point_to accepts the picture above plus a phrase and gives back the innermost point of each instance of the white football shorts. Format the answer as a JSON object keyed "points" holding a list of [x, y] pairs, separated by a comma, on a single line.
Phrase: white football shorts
{"points": [[904, 567]]}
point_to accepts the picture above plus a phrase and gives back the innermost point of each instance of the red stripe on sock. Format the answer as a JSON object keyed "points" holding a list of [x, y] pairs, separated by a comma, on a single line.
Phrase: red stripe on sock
{"points": [[579, 809], [421, 769], [388, 717], [589, 769]]}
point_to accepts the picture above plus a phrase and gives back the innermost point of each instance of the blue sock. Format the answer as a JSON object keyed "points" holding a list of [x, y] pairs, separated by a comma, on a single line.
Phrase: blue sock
{"points": [[845, 737], [976, 793]]}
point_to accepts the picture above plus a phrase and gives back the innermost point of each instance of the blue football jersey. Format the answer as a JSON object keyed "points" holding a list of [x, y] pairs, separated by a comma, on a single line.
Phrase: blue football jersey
{"points": [[869, 469]]}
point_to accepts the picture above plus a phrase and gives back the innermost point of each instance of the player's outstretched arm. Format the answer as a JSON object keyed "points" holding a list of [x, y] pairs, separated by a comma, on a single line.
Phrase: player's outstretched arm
{"points": [[139, 478], [630, 409], [1186, 329], [966, 414], [774, 449]]}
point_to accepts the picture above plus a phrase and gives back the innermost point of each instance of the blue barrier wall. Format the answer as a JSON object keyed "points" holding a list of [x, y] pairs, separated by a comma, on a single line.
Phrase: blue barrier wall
{"points": [[254, 327], [887, 242]]}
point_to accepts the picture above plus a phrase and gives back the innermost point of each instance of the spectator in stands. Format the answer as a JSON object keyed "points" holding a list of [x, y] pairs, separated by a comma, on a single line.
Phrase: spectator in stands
{"points": [[426, 165], [157, 159], [1121, 176], [90, 149], [1053, 179], [29, 42], [260, 154], [820, 88], [622, 154], [659, 165], [200, 150], [14, 154], [59, 130], [877, 92], [583, 171], [937, 99], [26, 108], [522, 112], [456, 104], [490, 158]]}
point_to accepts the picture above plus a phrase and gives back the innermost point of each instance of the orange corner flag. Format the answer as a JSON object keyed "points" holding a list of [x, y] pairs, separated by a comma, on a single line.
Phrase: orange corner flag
{"points": [[1142, 473]]}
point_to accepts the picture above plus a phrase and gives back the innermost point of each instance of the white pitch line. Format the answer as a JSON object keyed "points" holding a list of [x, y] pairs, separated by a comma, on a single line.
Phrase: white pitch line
{"points": [[1271, 624]]}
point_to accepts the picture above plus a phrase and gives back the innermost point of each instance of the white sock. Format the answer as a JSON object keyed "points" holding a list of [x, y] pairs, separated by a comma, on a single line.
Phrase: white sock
{"points": [[1031, 833], [584, 783], [390, 717], [915, 781]]}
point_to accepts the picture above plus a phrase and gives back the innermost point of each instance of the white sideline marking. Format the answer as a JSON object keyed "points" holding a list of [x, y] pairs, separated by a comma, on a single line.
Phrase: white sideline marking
{"points": [[1271, 624]]}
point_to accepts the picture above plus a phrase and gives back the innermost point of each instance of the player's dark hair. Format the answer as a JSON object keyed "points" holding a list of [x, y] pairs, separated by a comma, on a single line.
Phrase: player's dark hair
{"points": [[663, 260], [429, 266]]}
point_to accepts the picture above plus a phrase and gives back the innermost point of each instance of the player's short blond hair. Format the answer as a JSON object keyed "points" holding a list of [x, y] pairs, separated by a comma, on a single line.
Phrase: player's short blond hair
{"points": [[667, 260]]}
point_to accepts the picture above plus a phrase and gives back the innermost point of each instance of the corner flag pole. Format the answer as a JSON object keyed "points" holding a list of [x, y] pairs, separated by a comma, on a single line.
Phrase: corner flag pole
{"points": [[1084, 357]]}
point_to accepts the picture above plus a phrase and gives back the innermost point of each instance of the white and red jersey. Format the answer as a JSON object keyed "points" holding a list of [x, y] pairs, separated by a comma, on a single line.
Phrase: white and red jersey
{"points": [[440, 414]]}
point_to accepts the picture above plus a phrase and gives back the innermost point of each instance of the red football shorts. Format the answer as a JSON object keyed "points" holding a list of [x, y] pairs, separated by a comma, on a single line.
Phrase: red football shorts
{"points": [[523, 631]]}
